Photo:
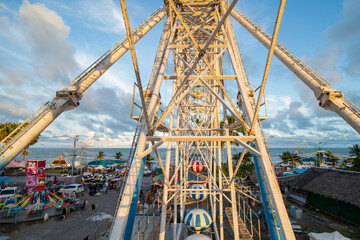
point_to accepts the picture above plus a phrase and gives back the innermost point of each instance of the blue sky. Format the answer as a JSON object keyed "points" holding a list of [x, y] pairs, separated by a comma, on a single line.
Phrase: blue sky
{"points": [[45, 44]]}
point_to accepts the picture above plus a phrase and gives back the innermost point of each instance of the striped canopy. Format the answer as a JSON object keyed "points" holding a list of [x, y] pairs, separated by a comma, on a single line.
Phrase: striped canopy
{"points": [[198, 195], [197, 166], [197, 237], [198, 219]]}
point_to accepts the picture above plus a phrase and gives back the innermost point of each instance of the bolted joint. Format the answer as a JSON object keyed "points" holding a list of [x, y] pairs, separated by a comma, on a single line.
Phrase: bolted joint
{"points": [[201, 53], [70, 95], [250, 94], [327, 97]]}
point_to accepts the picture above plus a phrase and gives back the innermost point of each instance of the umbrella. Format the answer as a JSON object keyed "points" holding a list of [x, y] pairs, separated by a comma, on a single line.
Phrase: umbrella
{"points": [[2, 179]]}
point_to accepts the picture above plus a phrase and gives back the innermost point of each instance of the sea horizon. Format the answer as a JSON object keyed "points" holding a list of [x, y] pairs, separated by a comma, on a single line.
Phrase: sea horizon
{"points": [[90, 154]]}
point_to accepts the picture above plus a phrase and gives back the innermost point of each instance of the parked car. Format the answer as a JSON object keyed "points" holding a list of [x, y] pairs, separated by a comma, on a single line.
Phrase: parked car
{"points": [[147, 172], [55, 187], [8, 192], [72, 188]]}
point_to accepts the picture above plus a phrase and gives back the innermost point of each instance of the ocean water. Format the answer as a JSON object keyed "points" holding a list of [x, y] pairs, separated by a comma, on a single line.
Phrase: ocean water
{"points": [[90, 154]]}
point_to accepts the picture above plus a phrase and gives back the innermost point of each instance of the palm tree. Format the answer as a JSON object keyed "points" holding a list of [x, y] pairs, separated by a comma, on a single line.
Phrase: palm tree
{"points": [[100, 155], [246, 167], [330, 156], [148, 160], [225, 169], [247, 158], [356, 164], [118, 155], [235, 132], [354, 150], [292, 158], [320, 156]]}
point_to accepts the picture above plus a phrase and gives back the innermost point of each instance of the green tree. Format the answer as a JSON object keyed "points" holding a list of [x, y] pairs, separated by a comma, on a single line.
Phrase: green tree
{"points": [[345, 162], [319, 158], [247, 158], [292, 158], [101, 155], [8, 128], [330, 157], [356, 164], [235, 132], [246, 167], [225, 169], [148, 160], [118, 155], [354, 150]]}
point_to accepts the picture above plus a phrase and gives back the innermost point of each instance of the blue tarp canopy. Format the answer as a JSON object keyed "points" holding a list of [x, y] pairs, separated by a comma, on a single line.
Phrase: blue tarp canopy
{"points": [[98, 162], [2, 179], [299, 170], [105, 162]]}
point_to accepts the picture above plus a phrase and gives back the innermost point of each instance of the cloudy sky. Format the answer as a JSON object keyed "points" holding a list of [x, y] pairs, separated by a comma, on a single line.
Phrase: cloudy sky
{"points": [[44, 44]]}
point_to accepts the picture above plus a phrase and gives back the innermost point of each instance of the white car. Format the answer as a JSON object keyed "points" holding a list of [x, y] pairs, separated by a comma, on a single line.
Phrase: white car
{"points": [[147, 172], [8, 192], [72, 188]]}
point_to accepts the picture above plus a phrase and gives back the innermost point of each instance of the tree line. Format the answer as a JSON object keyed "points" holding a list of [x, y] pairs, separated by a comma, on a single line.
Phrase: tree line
{"points": [[293, 158]]}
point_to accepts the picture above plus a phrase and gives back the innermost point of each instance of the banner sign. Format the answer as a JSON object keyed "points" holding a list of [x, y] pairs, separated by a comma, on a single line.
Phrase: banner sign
{"points": [[32, 172]]}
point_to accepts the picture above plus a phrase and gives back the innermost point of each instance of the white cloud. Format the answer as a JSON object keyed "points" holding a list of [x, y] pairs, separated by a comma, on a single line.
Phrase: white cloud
{"points": [[35, 58], [102, 15], [14, 110], [46, 35], [275, 103], [116, 76]]}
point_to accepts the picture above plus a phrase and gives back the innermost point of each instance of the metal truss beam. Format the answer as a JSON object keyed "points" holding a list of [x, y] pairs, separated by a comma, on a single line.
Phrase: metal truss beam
{"points": [[267, 168], [123, 211], [200, 138]]}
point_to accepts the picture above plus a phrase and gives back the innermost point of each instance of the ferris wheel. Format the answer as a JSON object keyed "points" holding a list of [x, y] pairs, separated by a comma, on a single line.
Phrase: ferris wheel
{"points": [[196, 193]]}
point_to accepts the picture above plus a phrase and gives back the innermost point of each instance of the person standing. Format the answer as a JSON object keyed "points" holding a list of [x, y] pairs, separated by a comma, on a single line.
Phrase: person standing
{"points": [[84, 205], [63, 213]]}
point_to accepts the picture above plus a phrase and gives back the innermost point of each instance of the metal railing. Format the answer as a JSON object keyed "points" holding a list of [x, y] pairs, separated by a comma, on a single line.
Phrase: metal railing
{"points": [[238, 53], [286, 51], [353, 108], [249, 217], [76, 81], [23, 128], [151, 217]]}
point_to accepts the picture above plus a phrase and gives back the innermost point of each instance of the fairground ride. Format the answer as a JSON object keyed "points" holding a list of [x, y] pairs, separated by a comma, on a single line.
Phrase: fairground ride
{"points": [[197, 35]]}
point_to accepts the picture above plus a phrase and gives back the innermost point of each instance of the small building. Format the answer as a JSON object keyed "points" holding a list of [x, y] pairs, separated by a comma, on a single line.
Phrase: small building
{"points": [[59, 162], [252, 181], [333, 191]]}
